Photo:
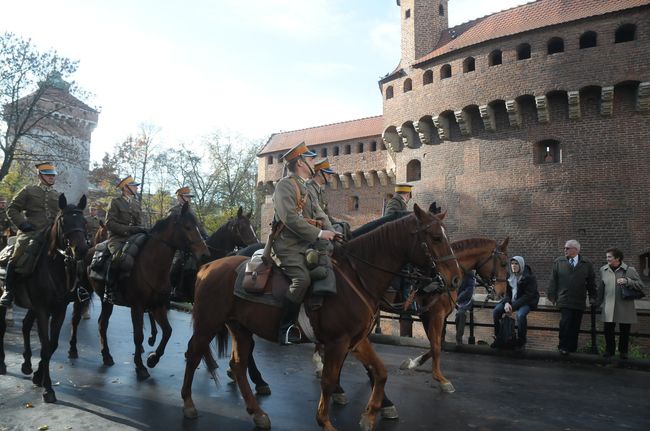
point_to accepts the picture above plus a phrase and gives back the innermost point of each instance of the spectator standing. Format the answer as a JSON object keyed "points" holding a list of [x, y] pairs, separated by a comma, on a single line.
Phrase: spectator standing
{"points": [[573, 277], [614, 275]]}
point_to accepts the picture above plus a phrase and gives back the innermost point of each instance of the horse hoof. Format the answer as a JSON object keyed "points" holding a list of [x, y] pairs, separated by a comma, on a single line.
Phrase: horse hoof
{"points": [[340, 399], [447, 388], [37, 378], [151, 341], [142, 374], [73, 354], [262, 421], [152, 360], [190, 412], [49, 397], [408, 364], [108, 360], [263, 390], [230, 374], [366, 424], [3, 369], [389, 412], [26, 369]]}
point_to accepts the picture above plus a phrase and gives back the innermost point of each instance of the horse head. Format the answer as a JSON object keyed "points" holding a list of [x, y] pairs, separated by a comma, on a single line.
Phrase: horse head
{"points": [[500, 272], [431, 247], [185, 234], [69, 228], [241, 230]]}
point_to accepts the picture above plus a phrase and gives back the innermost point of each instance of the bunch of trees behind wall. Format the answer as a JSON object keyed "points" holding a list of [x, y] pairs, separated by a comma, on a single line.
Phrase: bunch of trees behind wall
{"points": [[221, 172]]}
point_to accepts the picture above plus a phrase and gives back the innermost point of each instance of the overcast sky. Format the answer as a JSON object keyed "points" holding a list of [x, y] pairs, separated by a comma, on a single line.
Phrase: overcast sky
{"points": [[252, 67]]}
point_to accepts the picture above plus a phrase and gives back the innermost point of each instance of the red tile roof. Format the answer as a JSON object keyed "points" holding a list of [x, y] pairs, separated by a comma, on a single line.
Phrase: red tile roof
{"points": [[530, 16], [355, 129]]}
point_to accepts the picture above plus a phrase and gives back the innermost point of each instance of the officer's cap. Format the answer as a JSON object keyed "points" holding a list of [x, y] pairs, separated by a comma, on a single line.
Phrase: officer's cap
{"points": [[46, 168], [184, 191], [297, 151], [128, 181], [403, 188], [324, 166]]}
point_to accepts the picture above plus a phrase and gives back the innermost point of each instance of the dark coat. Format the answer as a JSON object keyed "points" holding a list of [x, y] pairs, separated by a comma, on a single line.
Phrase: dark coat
{"points": [[527, 293], [569, 286]]}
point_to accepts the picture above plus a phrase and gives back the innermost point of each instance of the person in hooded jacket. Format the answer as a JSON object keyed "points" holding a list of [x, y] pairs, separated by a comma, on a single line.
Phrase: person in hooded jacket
{"points": [[521, 297]]}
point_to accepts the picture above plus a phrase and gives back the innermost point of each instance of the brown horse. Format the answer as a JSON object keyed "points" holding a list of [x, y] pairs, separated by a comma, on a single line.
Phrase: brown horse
{"points": [[364, 268], [148, 287], [46, 292], [101, 235]]}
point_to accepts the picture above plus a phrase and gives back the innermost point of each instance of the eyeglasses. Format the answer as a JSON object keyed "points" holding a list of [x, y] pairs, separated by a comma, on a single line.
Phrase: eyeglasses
{"points": [[568, 248]]}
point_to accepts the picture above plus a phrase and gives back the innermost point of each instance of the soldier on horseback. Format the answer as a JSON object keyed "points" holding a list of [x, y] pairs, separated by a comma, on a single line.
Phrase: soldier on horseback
{"points": [[32, 210], [302, 224], [123, 219], [316, 185], [92, 223], [399, 201]]}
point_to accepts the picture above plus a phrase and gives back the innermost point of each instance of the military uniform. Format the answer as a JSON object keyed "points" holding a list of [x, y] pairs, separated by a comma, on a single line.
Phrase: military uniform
{"points": [[123, 219], [318, 195], [395, 204], [35, 205], [176, 210], [92, 226]]}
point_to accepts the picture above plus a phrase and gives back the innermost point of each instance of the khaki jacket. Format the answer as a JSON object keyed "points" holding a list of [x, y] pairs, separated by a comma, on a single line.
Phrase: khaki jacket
{"points": [[123, 219], [36, 204], [395, 204], [318, 195]]}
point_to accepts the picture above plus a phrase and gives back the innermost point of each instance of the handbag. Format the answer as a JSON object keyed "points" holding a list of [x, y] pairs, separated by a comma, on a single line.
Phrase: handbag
{"points": [[628, 293]]}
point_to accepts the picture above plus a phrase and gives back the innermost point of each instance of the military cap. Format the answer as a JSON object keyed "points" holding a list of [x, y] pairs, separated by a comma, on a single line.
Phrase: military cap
{"points": [[184, 191], [46, 168], [324, 166], [128, 181], [403, 188], [297, 151]]}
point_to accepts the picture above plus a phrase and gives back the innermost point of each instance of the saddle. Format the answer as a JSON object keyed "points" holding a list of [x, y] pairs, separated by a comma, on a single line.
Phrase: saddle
{"points": [[261, 283]]}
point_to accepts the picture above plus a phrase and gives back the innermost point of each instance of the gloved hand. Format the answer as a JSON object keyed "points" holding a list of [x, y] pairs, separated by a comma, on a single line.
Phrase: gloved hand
{"points": [[138, 229], [26, 227]]}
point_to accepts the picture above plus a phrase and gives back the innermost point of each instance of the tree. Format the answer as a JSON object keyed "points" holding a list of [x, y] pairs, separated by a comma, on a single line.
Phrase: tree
{"points": [[28, 78]]}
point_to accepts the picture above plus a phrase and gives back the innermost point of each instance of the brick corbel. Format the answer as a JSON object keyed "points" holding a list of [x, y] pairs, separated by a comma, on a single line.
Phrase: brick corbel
{"points": [[357, 179], [424, 131], [542, 109], [464, 122], [383, 178], [607, 101], [403, 133], [487, 115], [393, 143], [514, 115], [391, 175], [574, 104], [442, 126], [643, 97], [370, 178]]}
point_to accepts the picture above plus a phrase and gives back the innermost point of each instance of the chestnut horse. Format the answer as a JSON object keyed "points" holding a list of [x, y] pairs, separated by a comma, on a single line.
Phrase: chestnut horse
{"points": [[48, 289], [148, 287], [364, 268]]}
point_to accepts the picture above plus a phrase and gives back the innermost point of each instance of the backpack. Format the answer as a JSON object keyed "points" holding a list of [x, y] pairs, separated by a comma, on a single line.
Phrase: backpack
{"points": [[507, 336]]}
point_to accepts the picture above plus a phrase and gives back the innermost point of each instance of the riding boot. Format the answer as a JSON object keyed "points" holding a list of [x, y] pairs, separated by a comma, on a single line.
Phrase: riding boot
{"points": [[290, 311], [10, 281]]}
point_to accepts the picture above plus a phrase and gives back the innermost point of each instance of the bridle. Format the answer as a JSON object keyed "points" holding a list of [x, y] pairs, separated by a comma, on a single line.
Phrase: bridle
{"points": [[490, 284], [63, 247], [187, 243]]}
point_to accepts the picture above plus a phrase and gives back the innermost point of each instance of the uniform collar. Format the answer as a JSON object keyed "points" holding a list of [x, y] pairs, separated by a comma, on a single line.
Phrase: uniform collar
{"points": [[44, 187]]}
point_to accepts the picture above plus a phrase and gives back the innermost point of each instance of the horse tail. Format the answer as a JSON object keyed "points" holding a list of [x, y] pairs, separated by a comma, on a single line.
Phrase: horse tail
{"points": [[222, 342], [212, 365]]}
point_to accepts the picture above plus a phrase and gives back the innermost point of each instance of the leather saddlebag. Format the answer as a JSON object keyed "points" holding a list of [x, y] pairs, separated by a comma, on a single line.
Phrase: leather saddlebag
{"points": [[257, 274]]}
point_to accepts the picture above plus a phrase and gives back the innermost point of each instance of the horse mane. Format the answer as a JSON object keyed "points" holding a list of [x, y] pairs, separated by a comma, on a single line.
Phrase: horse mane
{"points": [[374, 224], [162, 224], [469, 243], [377, 238]]}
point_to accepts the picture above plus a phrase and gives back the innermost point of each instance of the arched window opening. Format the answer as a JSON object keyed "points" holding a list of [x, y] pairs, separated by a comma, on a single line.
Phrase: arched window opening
{"points": [[413, 171], [389, 92], [427, 78], [445, 71], [360, 147], [645, 266], [469, 65], [269, 160], [441, 10], [589, 39], [495, 58], [336, 151], [353, 203], [323, 152], [625, 33], [373, 146], [408, 85], [547, 151], [555, 45], [348, 149], [523, 51]]}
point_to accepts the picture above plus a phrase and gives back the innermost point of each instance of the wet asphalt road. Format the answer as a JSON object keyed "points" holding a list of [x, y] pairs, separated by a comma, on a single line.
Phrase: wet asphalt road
{"points": [[492, 393]]}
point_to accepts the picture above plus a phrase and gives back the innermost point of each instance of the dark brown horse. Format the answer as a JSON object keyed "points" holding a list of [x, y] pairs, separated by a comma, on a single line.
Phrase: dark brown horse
{"points": [[364, 268], [238, 232], [48, 289], [148, 288]]}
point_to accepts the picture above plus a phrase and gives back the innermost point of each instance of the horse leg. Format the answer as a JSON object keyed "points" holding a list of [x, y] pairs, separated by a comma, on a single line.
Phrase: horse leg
{"points": [[261, 387], [137, 318], [335, 354], [42, 375], [434, 331], [154, 330], [56, 322], [197, 346], [160, 316], [102, 323], [242, 342], [3, 329], [77, 310], [28, 323], [366, 354]]}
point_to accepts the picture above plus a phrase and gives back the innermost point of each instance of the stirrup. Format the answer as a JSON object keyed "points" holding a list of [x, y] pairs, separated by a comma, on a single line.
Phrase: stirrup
{"points": [[287, 335], [82, 294]]}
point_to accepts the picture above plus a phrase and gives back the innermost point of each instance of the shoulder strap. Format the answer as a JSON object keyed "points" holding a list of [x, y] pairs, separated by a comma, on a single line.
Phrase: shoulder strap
{"points": [[300, 200]]}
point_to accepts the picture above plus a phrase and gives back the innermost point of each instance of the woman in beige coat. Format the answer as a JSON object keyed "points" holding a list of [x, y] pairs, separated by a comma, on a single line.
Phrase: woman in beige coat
{"points": [[615, 309]]}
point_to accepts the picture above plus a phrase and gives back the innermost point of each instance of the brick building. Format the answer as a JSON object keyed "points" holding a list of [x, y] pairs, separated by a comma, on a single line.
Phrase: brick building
{"points": [[532, 123]]}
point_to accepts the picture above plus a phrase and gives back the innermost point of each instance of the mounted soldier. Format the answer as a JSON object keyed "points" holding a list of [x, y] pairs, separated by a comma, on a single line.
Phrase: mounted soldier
{"points": [[316, 185], [399, 201], [299, 225], [123, 219], [183, 260], [32, 210]]}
